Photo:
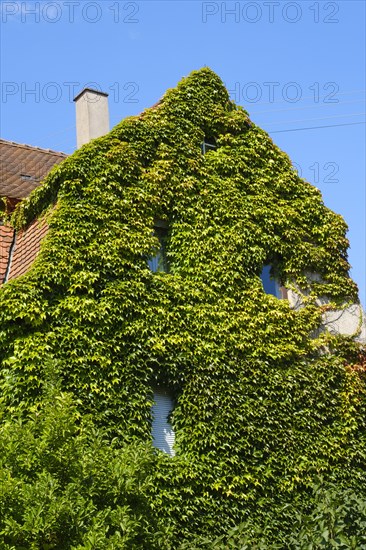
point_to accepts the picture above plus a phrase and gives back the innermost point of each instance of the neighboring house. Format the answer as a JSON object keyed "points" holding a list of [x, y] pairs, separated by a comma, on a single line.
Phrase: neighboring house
{"points": [[22, 168]]}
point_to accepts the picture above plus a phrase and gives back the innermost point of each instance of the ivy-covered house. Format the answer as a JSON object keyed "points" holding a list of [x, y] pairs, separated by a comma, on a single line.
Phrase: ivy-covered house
{"points": [[192, 300]]}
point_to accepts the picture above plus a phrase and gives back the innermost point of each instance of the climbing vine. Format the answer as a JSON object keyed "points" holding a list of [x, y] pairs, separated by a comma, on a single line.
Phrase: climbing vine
{"points": [[262, 407]]}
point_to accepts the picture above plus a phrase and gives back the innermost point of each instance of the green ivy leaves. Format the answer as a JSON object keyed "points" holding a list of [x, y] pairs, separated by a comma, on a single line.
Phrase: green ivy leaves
{"points": [[261, 406]]}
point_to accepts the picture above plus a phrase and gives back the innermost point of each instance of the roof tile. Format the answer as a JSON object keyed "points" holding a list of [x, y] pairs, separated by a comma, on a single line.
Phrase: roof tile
{"points": [[6, 240], [27, 246], [22, 167]]}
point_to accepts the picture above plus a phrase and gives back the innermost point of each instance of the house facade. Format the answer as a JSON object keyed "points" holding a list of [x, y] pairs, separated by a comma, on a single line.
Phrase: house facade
{"points": [[23, 168]]}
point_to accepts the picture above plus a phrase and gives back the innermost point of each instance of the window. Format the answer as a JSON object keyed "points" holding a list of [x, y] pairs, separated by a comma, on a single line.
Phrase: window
{"points": [[208, 145], [162, 430], [159, 261], [271, 285]]}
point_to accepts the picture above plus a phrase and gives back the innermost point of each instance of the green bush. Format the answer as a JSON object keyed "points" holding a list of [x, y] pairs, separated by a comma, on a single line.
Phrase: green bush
{"points": [[65, 485]]}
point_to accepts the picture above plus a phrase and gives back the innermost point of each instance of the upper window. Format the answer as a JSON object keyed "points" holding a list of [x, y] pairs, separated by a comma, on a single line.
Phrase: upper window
{"points": [[162, 430], [271, 285], [208, 145], [158, 262]]}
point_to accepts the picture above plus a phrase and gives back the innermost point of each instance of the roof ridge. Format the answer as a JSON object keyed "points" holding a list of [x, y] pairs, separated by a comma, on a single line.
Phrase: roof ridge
{"points": [[33, 147]]}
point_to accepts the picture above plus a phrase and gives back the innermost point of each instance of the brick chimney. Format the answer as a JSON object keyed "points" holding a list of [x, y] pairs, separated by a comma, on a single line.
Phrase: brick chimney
{"points": [[92, 115]]}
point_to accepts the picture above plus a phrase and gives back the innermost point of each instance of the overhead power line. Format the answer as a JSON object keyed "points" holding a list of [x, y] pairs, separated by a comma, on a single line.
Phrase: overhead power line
{"points": [[310, 106], [302, 99], [315, 127], [312, 119]]}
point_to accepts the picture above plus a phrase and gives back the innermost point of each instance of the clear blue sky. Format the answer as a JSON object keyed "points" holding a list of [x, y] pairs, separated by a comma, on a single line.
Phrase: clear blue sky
{"points": [[290, 64]]}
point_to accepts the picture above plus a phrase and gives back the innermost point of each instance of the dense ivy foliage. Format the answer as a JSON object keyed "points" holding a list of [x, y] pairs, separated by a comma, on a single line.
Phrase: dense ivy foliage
{"points": [[262, 407]]}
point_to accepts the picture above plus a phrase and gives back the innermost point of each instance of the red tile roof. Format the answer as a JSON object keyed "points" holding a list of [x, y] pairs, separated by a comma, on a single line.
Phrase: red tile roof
{"points": [[27, 245], [6, 241], [22, 167]]}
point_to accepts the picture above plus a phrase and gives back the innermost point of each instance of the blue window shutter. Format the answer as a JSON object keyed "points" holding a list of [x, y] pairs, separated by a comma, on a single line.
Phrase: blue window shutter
{"points": [[155, 262], [162, 430], [270, 284]]}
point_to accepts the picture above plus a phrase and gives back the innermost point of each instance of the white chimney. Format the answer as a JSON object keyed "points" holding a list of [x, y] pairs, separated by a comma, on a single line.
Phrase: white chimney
{"points": [[92, 115]]}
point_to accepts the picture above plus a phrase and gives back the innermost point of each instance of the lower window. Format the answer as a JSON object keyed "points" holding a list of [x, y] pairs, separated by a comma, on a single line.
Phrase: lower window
{"points": [[162, 430], [158, 262]]}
